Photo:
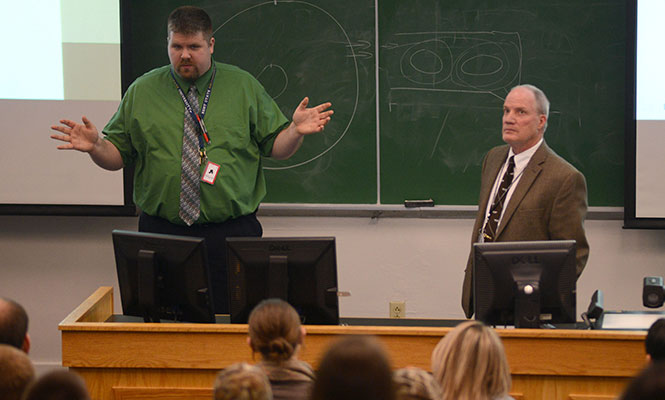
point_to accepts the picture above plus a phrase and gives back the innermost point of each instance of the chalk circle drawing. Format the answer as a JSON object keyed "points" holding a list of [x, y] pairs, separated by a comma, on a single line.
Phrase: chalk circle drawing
{"points": [[274, 73], [488, 65], [296, 49], [474, 59], [468, 62], [451, 78], [427, 62]]}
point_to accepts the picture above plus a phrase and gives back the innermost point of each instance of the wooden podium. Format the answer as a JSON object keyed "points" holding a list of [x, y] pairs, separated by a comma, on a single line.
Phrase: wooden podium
{"points": [[132, 361]]}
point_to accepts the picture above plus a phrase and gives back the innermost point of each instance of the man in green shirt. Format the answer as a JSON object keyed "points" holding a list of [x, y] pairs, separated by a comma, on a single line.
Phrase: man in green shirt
{"points": [[235, 125]]}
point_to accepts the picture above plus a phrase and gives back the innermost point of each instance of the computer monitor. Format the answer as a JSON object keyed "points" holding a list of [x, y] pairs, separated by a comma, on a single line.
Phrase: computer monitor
{"points": [[301, 271], [527, 284], [163, 277]]}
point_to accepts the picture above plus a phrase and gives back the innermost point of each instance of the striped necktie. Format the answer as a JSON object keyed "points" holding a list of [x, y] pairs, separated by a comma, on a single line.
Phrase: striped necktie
{"points": [[489, 233], [189, 179]]}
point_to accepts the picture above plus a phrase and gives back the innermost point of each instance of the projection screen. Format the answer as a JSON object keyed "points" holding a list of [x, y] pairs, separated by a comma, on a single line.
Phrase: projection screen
{"points": [[645, 116], [63, 61]]}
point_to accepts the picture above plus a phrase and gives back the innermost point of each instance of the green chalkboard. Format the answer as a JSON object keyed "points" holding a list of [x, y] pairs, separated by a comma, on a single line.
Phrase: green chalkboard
{"points": [[445, 68], [320, 49], [443, 71]]}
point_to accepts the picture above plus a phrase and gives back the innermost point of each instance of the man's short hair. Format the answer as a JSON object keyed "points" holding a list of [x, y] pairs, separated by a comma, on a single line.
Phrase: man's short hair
{"points": [[542, 103], [655, 341], [189, 20], [16, 372], [13, 323], [57, 385]]}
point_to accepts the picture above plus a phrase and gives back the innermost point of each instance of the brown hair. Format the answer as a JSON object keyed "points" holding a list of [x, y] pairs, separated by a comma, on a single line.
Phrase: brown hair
{"points": [[57, 385], [648, 384], [274, 330], [654, 343], [16, 372], [354, 368], [13, 323], [470, 363], [189, 20]]}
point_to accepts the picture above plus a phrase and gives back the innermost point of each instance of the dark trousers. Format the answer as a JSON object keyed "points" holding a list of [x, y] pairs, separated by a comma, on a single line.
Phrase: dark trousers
{"points": [[215, 235]]}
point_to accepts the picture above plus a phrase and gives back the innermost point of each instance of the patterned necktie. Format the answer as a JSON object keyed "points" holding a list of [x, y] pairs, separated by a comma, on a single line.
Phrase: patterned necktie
{"points": [[489, 233], [189, 179]]}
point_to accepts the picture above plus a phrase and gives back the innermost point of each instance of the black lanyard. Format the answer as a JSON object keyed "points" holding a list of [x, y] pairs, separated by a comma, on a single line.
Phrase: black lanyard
{"points": [[198, 118]]}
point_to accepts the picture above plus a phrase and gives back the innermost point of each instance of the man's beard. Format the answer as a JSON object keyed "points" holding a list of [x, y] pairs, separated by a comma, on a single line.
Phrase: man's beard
{"points": [[192, 73]]}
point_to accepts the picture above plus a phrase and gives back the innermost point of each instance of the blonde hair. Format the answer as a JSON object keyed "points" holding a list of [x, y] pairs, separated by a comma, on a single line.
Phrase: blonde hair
{"points": [[242, 381], [274, 330], [470, 363]]}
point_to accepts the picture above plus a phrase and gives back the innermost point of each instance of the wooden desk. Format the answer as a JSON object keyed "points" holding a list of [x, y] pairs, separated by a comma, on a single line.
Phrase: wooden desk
{"points": [[175, 361]]}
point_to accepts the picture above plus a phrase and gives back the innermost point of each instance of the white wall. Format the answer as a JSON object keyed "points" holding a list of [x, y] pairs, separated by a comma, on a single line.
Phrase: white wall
{"points": [[51, 264]]}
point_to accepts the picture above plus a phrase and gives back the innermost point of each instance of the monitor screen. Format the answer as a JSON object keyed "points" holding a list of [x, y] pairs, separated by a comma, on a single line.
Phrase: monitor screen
{"points": [[163, 277], [527, 284], [301, 271]]}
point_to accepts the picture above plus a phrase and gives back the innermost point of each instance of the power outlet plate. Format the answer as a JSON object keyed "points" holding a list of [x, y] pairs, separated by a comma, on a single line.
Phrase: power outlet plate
{"points": [[397, 309]]}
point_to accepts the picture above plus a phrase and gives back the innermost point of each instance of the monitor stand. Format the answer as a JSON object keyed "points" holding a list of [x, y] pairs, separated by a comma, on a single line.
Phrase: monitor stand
{"points": [[527, 305], [278, 276], [147, 282]]}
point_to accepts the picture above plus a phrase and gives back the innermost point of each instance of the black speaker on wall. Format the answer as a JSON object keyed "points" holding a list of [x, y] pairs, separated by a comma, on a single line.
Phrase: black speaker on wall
{"points": [[653, 292]]}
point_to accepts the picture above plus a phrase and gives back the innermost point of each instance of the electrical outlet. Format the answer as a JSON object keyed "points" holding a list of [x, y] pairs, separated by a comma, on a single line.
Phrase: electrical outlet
{"points": [[397, 309]]}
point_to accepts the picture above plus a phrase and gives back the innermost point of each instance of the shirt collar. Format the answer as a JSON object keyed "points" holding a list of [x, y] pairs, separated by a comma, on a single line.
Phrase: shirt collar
{"points": [[201, 82], [522, 159]]}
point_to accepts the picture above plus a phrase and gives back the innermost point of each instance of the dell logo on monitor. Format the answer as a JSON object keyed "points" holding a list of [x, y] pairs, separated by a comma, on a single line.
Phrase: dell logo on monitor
{"points": [[525, 259], [279, 247]]}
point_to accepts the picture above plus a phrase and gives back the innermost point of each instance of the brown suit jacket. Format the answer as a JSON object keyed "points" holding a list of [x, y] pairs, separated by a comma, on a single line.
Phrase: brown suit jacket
{"points": [[549, 203]]}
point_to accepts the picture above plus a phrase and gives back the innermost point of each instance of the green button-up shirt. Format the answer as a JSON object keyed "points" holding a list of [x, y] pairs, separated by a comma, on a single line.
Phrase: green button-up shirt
{"points": [[242, 120]]}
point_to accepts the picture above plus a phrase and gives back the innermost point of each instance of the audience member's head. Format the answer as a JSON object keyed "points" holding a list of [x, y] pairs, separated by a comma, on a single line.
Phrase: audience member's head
{"points": [[275, 330], [416, 384], [354, 367], [242, 381], [470, 363], [655, 341], [16, 372], [648, 385], [14, 325], [57, 385]]}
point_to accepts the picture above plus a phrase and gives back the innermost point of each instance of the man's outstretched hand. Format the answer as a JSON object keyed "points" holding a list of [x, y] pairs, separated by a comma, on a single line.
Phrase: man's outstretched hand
{"points": [[311, 120], [81, 137]]}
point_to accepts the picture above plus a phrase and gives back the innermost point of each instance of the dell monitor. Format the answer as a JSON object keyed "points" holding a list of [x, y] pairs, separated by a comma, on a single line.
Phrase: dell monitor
{"points": [[527, 284], [301, 271], [163, 277]]}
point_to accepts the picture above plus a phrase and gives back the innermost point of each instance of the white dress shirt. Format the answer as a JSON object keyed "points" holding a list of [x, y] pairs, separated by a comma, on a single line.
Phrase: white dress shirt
{"points": [[521, 161]]}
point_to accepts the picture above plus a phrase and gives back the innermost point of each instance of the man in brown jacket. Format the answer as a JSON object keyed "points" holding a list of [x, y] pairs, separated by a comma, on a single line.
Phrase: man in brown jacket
{"points": [[547, 197]]}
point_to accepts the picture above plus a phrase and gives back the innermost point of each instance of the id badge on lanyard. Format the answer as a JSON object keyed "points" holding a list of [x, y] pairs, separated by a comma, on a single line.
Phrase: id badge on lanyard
{"points": [[211, 170]]}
